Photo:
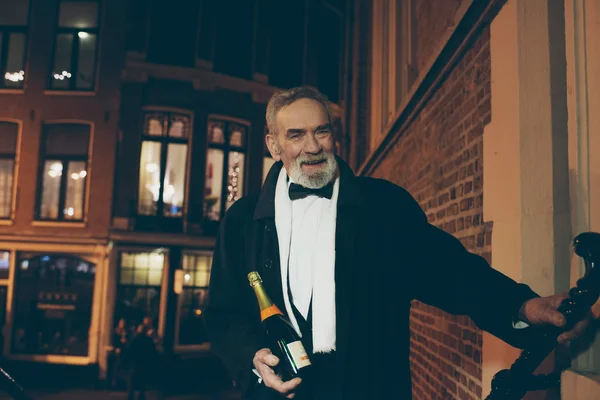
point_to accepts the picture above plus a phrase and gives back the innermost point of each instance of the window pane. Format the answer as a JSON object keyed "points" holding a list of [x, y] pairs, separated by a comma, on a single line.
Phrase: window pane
{"points": [[51, 189], [149, 178], [126, 276], [174, 187], [179, 126], [216, 133], [235, 178], [267, 164], [87, 61], [14, 12], [191, 326], [4, 264], [140, 277], [237, 135], [197, 269], [6, 188], [78, 14], [76, 175], [61, 74], [155, 277], [155, 125], [53, 306], [213, 184], [8, 137], [15, 74]]}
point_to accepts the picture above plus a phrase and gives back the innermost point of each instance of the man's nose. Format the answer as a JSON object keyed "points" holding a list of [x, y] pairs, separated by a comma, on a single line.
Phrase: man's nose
{"points": [[312, 145]]}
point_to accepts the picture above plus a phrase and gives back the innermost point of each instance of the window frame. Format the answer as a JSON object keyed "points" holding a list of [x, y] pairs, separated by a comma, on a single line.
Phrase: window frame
{"points": [[164, 141], [63, 186], [5, 31], [227, 149], [387, 79], [163, 288], [15, 157], [177, 347], [58, 30]]}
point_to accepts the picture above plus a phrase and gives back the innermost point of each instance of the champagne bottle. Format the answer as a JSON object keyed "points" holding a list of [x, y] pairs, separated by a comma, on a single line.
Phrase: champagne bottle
{"points": [[285, 342]]}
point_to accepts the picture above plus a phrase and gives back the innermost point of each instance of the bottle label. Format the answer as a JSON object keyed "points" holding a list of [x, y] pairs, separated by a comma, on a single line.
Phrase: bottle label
{"points": [[299, 354], [267, 312]]}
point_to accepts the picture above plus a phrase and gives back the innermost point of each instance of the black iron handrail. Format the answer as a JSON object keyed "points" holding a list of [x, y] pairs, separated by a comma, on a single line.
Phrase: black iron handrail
{"points": [[515, 382]]}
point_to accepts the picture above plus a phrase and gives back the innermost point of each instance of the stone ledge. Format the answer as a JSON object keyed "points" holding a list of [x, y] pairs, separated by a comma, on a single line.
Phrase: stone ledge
{"points": [[577, 385]]}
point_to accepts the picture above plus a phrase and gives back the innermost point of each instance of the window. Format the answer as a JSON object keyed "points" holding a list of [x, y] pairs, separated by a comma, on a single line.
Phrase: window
{"points": [[225, 161], [4, 264], [393, 57], [196, 268], [14, 19], [74, 66], [63, 172], [138, 293], [163, 164], [4, 274], [8, 149], [53, 305]]}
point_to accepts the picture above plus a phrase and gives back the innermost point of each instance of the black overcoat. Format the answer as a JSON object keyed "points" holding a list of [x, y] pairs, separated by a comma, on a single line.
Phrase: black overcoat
{"points": [[387, 254]]}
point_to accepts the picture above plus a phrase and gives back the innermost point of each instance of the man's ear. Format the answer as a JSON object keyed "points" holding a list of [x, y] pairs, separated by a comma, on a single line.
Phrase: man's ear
{"points": [[273, 146]]}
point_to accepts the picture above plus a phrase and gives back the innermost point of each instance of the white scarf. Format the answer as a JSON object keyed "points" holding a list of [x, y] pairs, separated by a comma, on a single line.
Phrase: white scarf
{"points": [[323, 266]]}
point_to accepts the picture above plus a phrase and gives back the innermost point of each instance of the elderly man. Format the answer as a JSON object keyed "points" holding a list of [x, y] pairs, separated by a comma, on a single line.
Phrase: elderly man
{"points": [[344, 256]]}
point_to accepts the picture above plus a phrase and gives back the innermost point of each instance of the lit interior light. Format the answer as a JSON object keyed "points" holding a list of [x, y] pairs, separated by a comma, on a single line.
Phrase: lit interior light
{"points": [[151, 167], [15, 76], [83, 35]]}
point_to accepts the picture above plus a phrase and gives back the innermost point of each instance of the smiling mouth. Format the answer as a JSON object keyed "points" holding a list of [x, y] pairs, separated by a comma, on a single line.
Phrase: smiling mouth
{"points": [[311, 163]]}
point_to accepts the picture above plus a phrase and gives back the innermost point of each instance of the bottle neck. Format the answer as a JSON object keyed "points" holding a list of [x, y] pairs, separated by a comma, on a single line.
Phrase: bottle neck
{"points": [[267, 308]]}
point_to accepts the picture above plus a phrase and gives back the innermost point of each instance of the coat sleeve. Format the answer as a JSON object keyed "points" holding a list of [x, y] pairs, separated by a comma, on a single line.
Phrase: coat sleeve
{"points": [[235, 337], [447, 276]]}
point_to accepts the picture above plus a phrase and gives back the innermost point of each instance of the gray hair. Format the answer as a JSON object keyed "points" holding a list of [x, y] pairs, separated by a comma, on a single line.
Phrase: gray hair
{"points": [[284, 98]]}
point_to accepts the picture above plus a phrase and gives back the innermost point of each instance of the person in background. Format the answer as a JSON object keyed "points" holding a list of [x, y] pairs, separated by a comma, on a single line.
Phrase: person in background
{"points": [[141, 356]]}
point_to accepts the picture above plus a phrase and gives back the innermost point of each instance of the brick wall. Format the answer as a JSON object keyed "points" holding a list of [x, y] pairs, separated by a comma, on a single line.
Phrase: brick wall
{"points": [[439, 160]]}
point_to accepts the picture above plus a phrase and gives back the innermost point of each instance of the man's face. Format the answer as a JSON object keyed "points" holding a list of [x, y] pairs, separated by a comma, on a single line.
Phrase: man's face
{"points": [[304, 143]]}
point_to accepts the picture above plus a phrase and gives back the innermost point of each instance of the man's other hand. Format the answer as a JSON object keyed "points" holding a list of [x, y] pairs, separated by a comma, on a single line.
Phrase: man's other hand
{"points": [[544, 311], [264, 362]]}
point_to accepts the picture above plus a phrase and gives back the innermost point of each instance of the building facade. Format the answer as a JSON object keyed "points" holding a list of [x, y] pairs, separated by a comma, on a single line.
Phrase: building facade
{"points": [[127, 130], [482, 110]]}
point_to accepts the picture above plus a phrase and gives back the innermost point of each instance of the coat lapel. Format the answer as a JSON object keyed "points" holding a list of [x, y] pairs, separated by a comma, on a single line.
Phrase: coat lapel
{"points": [[346, 243]]}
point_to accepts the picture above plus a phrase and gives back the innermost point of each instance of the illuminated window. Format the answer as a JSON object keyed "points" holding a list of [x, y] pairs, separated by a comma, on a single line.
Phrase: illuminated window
{"points": [[75, 46], [196, 268], [225, 162], [8, 149], [138, 293], [14, 19], [63, 174], [163, 164], [53, 300]]}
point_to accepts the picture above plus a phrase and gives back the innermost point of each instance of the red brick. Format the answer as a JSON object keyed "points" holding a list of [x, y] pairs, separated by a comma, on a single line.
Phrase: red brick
{"points": [[438, 159]]}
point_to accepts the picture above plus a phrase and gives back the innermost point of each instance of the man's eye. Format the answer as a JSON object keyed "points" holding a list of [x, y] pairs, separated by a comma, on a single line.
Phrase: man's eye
{"points": [[323, 132]]}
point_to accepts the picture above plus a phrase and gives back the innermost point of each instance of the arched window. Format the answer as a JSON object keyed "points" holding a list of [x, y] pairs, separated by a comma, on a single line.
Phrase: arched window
{"points": [[163, 164], [225, 165], [53, 304]]}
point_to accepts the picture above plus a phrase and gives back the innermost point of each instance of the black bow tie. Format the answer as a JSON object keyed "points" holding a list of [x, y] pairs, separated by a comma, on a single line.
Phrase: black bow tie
{"points": [[299, 192]]}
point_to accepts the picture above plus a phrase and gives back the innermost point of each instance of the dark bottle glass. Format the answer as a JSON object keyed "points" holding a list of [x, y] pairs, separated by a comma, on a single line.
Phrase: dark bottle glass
{"points": [[284, 341]]}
